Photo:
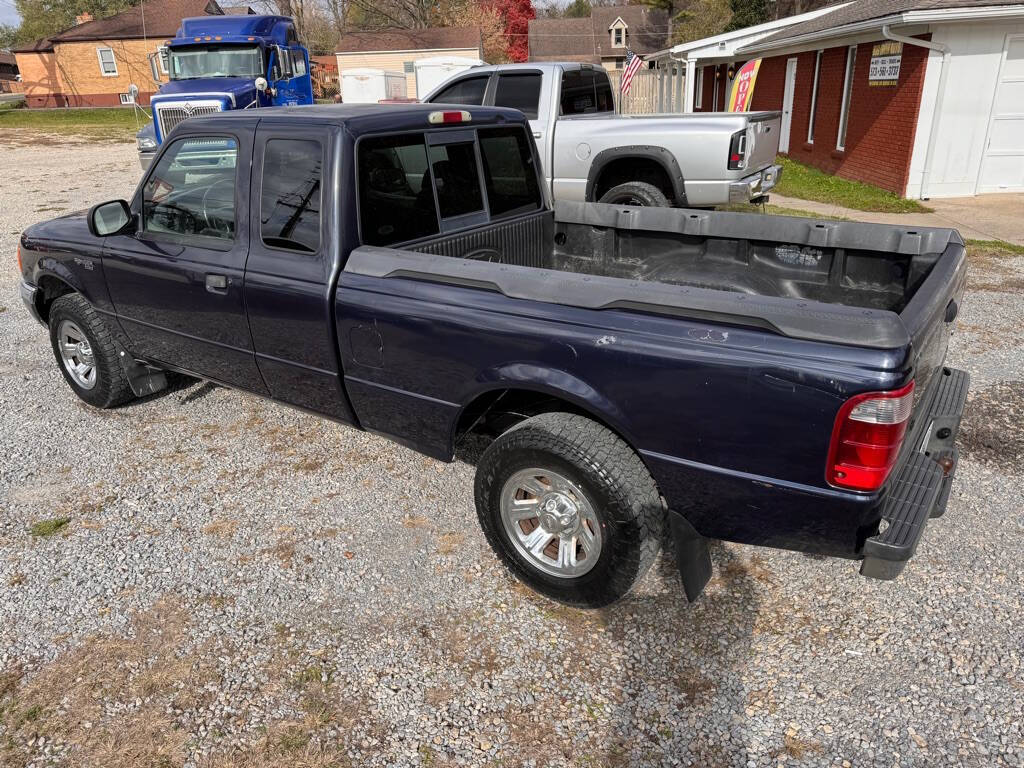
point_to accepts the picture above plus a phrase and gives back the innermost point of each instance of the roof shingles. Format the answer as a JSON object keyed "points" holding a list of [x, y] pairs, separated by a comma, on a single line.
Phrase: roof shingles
{"points": [[588, 39]]}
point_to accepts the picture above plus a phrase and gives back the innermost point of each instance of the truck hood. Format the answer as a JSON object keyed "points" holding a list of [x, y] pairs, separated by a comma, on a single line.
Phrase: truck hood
{"points": [[241, 90]]}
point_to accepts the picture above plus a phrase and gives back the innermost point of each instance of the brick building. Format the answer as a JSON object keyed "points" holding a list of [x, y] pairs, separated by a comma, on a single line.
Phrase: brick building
{"points": [[93, 63], [921, 97]]}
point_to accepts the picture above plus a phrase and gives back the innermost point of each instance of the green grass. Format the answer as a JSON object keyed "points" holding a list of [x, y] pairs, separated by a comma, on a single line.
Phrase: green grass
{"points": [[117, 123], [50, 527], [807, 183], [996, 245]]}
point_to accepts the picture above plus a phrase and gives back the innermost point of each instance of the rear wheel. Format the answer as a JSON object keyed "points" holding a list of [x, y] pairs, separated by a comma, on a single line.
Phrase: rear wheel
{"points": [[636, 193], [86, 353], [570, 508]]}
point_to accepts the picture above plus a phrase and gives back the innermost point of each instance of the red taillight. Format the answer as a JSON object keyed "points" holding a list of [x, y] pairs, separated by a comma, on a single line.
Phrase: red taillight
{"points": [[436, 118], [866, 438], [738, 150]]}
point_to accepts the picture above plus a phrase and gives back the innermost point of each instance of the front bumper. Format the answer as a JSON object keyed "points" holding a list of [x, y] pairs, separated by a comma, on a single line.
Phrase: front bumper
{"points": [[920, 488], [755, 186], [28, 297]]}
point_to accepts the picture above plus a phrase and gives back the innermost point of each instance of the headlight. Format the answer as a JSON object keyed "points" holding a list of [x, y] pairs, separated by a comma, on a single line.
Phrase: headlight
{"points": [[145, 142]]}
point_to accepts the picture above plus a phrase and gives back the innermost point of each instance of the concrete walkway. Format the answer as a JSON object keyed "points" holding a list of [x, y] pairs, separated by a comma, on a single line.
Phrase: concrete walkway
{"points": [[985, 217]]}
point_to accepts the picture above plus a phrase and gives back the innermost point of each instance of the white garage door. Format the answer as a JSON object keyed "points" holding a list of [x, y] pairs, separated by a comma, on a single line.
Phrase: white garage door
{"points": [[1002, 169]]}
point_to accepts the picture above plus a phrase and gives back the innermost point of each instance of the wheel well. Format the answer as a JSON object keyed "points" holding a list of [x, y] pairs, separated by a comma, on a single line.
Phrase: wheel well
{"points": [[624, 169], [50, 289], [497, 411]]}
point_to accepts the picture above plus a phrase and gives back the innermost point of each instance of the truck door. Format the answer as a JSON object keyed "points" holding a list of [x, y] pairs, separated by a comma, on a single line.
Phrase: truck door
{"points": [[288, 273], [292, 79], [176, 283], [522, 89]]}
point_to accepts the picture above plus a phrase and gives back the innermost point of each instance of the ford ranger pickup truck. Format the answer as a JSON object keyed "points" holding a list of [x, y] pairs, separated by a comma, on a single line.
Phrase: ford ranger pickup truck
{"points": [[643, 375], [590, 153]]}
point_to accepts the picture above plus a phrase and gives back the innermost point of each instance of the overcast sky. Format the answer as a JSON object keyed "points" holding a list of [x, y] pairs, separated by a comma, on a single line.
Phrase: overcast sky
{"points": [[7, 13]]}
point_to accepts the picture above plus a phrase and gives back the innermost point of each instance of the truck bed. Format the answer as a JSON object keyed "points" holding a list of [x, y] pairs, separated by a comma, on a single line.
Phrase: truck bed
{"points": [[843, 282]]}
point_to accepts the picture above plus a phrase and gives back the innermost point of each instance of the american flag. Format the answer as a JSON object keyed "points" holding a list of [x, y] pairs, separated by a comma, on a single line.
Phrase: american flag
{"points": [[633, 63]]}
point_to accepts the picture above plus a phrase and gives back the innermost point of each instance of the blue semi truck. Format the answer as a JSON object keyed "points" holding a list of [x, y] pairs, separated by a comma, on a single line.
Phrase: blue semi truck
{"points": [[221, 63]]}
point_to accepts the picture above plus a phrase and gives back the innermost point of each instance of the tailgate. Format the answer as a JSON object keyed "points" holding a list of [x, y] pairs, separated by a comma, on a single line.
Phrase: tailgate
{"points": [[762, 139]]}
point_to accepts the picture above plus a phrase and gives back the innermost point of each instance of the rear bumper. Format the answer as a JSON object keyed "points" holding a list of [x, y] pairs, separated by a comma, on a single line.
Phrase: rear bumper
{"points": [[28, 297], [755, 186], [920, 489]]}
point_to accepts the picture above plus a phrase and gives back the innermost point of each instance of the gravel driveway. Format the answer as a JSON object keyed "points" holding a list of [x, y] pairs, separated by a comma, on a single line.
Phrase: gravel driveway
{"points": [[237, 583]]}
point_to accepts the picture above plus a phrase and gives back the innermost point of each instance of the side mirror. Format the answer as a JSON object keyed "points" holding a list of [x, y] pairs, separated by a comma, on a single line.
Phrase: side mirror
{"points": [[133, 93], [109, 218], [154, 70], [261, 84], [284, 62]]}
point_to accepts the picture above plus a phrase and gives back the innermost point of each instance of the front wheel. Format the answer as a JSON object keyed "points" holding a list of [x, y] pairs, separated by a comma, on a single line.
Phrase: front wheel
{"points": [[636, 193], [570, 508], [86, 353]]}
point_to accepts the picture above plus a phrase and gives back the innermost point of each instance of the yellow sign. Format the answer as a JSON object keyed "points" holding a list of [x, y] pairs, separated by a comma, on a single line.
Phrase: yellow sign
{"points": [[743, 87], [885, 64]]}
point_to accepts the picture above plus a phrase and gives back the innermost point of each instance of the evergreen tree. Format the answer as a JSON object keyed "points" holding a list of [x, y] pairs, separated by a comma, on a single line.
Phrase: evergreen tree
{"points": [[577, 9], [747, 13]]}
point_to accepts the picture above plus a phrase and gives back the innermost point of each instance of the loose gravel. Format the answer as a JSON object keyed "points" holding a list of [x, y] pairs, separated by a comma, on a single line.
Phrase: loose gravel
{"points": [[237, 583]]}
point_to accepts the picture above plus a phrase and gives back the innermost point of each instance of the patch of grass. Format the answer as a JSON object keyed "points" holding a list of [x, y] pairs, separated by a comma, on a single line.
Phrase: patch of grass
{"points": [[113, 123], [49, 527], [996, 245], [807, 183]]}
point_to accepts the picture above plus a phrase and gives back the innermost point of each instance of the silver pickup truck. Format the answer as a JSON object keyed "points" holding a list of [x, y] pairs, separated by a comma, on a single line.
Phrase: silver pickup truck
{"points": [[590, 153]]}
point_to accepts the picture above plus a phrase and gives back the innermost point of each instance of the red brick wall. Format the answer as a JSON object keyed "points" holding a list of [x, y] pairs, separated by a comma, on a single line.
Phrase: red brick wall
{"points": [[882, 121]]}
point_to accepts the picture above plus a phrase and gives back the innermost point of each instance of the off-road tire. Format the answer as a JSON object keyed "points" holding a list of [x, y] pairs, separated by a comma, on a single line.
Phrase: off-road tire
{"points": [[112, 387], [621, 491], [636, 193]]}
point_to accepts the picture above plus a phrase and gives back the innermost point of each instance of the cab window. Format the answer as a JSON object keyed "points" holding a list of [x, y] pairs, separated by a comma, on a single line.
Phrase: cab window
{"points": [[585, 91], [509, 171], [190, 195], [519, 91], [467, 91], [396, 197], [290, 195]]}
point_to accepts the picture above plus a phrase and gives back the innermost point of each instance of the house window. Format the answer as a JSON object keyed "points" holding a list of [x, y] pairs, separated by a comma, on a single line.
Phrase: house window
{"points": [[126, 98], [844, 114], [108, 64], [620, 63], [698, 96], [814, 99], [408, 67], [618, 37]]}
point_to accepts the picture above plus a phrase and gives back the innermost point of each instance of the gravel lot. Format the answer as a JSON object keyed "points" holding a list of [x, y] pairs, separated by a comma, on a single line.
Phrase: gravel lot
{"points": [[242, 584]]}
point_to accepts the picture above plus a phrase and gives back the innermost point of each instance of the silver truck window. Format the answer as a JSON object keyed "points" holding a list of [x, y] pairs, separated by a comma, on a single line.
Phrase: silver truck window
{"points": [[290, 195], [509, 171], [585, 91], [396, 197], [519, 91], [454, 171], [191, 193], [468, 91]]}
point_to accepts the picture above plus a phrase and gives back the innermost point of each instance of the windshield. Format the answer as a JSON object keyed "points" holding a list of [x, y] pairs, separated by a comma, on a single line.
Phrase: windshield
{"points": [[215, 61]]}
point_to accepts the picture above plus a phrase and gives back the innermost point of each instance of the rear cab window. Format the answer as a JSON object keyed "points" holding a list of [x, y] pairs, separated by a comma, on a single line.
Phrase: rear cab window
{"points": [[415, 186], [520, 91], [584, 92]]}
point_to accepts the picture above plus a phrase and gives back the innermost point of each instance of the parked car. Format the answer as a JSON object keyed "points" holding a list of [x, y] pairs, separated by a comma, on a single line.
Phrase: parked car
{"points": [[765, 380], [590, 153]]}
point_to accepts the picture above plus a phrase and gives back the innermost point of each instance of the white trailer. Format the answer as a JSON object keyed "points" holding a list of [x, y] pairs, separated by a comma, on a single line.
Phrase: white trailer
{"points": [[365, 85], [433, 71]]}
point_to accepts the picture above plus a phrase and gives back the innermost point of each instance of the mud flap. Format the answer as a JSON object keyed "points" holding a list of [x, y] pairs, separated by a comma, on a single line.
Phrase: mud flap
{"points": [[692, 555], [143, 379]]}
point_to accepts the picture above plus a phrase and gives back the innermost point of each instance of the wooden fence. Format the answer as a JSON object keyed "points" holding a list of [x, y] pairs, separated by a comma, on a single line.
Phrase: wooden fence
{"points": [[653, 91]]}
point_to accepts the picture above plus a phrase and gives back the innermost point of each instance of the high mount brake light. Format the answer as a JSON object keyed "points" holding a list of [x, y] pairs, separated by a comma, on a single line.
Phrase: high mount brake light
{"points": [[867, 437], [437, 118]]}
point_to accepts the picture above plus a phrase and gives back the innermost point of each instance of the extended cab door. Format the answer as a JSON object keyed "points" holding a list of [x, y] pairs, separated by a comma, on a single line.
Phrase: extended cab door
{"points": [[288, 274], [522, 89], [176, 283]]}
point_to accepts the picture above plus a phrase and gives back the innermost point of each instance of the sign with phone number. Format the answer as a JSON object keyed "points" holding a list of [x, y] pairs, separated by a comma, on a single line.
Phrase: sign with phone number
{"points": [[885, 64]]}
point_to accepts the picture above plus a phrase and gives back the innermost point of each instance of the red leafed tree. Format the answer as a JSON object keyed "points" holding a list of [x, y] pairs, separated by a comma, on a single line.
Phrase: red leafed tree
{"points": [[516, 15]]}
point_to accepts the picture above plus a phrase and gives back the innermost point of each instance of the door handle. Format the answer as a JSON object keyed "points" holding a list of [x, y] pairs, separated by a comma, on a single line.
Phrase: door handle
{"points": [[537, 134], [216, 283]]}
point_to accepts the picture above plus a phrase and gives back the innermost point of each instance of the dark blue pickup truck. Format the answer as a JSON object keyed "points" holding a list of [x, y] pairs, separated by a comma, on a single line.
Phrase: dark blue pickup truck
{"points": [[643, 375]]}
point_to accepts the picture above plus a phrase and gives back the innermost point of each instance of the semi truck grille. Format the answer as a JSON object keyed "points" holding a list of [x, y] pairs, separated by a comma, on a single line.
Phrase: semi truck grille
{"points": [[171, 115]]}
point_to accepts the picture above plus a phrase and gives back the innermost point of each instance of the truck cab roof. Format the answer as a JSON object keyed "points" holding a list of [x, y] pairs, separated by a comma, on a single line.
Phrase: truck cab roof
{"points": [[358, 119], [279, 30]]}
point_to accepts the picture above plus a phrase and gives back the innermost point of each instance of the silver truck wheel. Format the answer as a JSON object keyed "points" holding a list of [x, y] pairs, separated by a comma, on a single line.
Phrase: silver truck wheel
{"points": [[551, 522], [76, 354]]}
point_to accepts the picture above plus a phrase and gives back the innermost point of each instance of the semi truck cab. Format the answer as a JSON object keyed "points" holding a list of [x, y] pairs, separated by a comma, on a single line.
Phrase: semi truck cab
{"points": [[221, 63]]}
